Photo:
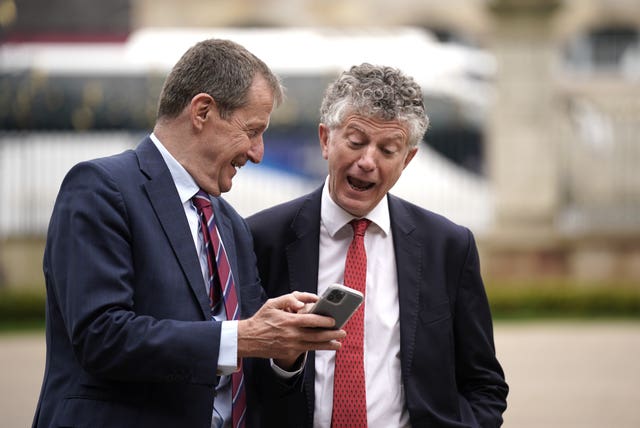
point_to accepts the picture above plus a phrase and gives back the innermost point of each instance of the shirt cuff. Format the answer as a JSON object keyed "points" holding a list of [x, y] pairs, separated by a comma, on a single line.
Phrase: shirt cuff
{"points": [[228, 353], [284, 374]]}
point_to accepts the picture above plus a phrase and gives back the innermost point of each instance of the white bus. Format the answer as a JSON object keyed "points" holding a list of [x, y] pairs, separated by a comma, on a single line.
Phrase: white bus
{"points": [[64, 102]]}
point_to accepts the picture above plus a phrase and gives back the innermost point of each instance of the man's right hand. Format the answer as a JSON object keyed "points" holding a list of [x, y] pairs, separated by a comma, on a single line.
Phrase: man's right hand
{"points": [[278, 331]]}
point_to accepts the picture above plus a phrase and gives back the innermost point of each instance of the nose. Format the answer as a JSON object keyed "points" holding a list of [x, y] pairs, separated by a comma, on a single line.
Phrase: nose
{"points": [[367, 161], [256, 151]]}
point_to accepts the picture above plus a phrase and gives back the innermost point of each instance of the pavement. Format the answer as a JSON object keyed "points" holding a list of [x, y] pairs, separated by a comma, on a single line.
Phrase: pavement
{"points": [[561, 374]]}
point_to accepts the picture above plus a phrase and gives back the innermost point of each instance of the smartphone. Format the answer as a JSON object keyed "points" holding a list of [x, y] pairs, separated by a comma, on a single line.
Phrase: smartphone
{"points": [[338, 302]]}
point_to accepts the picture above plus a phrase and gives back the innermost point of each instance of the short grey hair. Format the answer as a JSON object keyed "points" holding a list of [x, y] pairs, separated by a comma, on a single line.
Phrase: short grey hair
{"points": [[221, 68], [379, 92]]}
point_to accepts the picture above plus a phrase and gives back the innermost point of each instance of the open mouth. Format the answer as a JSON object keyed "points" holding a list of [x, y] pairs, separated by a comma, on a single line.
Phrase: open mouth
{"points": [[236, 165], [359, 185]]}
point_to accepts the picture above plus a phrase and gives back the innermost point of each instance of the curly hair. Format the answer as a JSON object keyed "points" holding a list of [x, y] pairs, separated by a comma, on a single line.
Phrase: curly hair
{"points": [[380, 92]]}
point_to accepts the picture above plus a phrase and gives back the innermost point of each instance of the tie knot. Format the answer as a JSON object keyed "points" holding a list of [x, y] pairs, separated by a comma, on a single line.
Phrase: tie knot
{"points": [[360, 226], [201, 200]]}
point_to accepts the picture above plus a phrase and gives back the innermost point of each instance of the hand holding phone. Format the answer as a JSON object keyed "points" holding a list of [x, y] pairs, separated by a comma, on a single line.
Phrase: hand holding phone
{"points": [[338, 302]]}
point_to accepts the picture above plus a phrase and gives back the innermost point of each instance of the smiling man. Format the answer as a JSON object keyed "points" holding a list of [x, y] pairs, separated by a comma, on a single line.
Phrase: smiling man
{"points": [[419, 352], [153, 296]]}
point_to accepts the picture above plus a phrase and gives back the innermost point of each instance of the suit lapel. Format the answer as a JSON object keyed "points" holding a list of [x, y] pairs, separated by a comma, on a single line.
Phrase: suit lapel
{"points": [[303, 252], [410, 273], [165, 200], [303, 246]]}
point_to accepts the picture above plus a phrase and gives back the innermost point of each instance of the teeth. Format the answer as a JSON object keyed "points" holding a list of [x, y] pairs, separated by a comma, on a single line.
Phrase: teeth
{"points": [[359, 185]]}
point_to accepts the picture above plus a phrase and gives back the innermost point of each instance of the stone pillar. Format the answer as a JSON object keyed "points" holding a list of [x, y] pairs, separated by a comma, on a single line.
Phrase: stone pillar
{"points": [[522, 139]]}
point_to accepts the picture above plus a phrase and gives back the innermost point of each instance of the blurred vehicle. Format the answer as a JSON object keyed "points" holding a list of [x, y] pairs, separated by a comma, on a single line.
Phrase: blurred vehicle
{"points": [[114, 86], [79, 91]]}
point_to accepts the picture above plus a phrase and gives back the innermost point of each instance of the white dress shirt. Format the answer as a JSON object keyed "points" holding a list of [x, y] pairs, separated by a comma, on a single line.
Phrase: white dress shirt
{"points": [[227, 357], [385, 394]]}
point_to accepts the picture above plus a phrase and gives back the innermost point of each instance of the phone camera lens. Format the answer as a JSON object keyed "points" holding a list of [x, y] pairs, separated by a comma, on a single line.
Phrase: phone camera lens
{"points": [[335, 296]]}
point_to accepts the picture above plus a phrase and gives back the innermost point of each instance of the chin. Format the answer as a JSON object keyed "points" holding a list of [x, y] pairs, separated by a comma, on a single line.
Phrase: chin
{"points": [[355, 210]]}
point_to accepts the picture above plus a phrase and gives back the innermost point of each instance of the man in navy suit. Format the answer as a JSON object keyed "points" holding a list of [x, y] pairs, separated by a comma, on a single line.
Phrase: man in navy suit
{"points": [[131, 338], [427, 351]]}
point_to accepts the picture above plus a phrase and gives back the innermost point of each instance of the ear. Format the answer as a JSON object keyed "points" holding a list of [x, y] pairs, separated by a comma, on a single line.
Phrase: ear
{"points": [[410, 156], [200, 109], [323, 134]]}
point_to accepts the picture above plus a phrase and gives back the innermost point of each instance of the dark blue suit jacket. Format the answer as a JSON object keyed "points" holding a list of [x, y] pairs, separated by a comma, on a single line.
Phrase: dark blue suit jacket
{"points": [[130, 341], [450, 374]]}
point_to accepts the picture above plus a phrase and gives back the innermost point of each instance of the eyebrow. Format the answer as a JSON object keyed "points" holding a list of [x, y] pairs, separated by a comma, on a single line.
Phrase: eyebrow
{"points": [[396, 136], [258, 125]]}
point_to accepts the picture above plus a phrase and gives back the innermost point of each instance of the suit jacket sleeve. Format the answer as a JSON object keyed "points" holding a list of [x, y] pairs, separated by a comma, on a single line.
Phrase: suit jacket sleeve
{"points": [[124, 303]]}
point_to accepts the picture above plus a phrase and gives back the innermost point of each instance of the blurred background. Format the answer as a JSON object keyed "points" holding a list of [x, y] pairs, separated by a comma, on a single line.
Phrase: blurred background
{"points": [[534, 145]]}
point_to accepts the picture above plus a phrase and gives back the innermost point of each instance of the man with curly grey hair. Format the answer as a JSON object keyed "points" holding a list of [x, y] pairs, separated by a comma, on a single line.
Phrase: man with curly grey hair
{"points": [[419, 351]]}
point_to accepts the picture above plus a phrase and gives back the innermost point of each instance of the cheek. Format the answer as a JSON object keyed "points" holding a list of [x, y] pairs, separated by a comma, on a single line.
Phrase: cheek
{"points": [[342, 159], [389, 171], [237, 143]]}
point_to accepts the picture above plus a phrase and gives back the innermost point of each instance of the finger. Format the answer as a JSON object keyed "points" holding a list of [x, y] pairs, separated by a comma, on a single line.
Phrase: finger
{"points": [[306, 309], [286, 302], [313, 321], [305, 297], [318, 335], [331, 345]]}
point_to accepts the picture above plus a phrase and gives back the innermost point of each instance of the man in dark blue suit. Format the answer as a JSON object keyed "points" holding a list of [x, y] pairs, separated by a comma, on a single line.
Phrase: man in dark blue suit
{"points": [[132, 340], [426, 357]]}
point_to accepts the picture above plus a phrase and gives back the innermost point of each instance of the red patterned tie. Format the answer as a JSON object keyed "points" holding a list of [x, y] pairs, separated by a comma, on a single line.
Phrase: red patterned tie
{"points": [[221, 280], [349, 393]]}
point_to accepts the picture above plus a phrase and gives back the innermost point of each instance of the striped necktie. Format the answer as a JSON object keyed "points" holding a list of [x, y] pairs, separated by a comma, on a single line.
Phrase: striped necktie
{"points": [[349, 389], [221, 284]]}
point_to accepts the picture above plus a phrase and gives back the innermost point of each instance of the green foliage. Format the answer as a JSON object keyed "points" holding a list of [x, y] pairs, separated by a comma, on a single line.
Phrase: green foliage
{"points": [[21, 308], [564, 299], [24, 308]]}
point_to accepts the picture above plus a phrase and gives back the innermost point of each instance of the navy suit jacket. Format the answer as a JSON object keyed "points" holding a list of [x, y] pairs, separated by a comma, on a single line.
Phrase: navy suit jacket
{"points": [[130, 341], [450, 374]]}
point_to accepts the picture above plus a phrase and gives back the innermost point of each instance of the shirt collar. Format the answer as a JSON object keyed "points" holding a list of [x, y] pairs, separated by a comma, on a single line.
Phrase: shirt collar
{"points": [[335, 218], [185, 184]]}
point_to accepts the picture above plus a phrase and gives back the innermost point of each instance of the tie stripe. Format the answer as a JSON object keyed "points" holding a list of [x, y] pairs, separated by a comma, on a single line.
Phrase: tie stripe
{"points": [[221, 289], [205, 212]]}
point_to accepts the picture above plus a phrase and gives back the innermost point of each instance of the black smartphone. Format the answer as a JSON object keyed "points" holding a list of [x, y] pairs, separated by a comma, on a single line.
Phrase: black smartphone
{"points": [[338, 302]]}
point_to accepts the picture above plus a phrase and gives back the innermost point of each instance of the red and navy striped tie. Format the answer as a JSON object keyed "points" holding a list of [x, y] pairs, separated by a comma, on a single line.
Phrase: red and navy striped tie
{"points": [[221, 282]]}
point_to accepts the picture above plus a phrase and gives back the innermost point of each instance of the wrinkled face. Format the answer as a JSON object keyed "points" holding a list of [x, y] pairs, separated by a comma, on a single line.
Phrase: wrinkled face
{"points": [[226, 145], [366, 157]]}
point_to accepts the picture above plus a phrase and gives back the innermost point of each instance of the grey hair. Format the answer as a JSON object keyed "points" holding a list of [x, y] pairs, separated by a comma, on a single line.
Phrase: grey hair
{"points": [[380, 92], [221, 68]]}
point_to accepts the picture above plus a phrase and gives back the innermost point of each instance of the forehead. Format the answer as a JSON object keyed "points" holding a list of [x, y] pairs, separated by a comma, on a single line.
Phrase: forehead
{"points": [[375, 128], [260, 102], [261, 90]]}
